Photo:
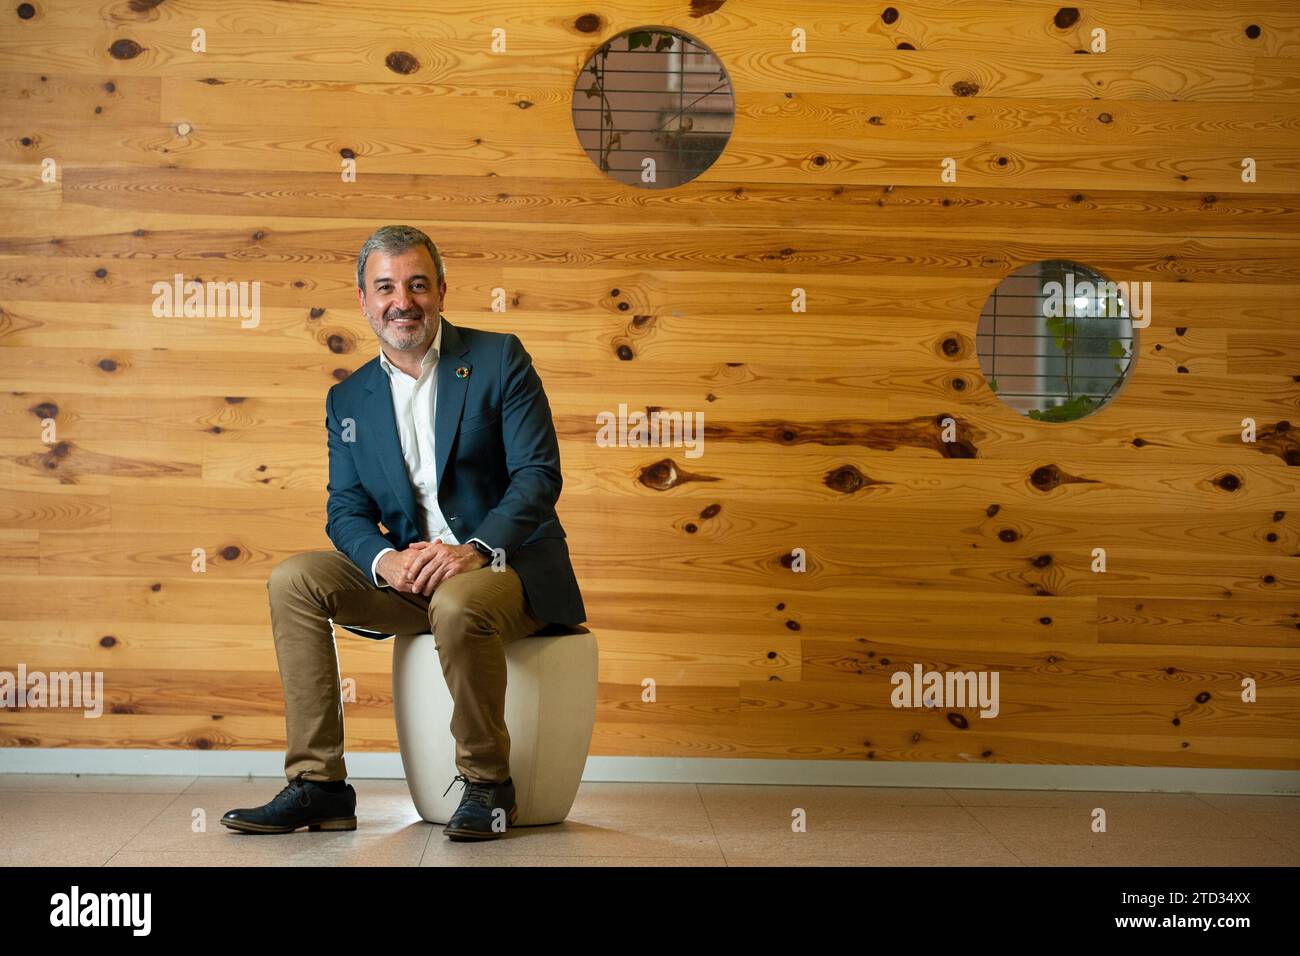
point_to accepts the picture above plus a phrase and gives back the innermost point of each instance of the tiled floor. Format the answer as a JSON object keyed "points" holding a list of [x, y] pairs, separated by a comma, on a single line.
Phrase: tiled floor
{"points": [[174, 821]]}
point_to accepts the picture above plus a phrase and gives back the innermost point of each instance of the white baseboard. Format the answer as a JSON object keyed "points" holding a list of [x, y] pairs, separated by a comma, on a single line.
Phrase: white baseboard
{"points": [[822, 773]]}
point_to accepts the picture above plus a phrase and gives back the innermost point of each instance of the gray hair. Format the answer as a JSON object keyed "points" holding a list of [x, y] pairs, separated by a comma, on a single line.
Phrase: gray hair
{"points": [[393, 239]]}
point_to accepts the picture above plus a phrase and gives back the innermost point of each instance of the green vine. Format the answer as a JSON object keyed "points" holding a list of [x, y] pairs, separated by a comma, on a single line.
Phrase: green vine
{"points": [[1062, 329], [660, 41]]}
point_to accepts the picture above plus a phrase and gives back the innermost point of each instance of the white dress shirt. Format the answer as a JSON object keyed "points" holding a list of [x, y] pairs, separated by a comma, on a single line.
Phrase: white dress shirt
{"points": [[415, 401]]}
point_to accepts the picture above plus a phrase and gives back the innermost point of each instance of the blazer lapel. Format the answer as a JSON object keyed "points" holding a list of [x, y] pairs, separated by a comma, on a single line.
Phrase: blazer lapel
{"points": [[451, 394]]}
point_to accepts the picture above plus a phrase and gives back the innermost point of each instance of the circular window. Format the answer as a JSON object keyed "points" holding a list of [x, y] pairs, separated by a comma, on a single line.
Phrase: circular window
{"points": [[1055, 340], [653, 108]]}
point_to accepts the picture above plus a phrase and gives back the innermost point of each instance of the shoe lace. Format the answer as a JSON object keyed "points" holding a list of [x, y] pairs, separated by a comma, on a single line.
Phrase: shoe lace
{"points": [[295, 790], [475, 790]]}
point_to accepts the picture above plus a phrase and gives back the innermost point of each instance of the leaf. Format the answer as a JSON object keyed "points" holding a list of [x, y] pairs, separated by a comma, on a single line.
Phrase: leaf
{"points": [[640, 38], [1076, 407], [1062, 329]]}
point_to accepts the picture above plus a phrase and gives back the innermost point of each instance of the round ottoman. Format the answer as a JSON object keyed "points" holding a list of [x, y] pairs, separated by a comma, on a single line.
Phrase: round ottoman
{"points": [[551, 681]]}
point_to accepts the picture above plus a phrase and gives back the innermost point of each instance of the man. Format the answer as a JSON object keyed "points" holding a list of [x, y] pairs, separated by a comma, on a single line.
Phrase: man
{"points": [[446, 436]]}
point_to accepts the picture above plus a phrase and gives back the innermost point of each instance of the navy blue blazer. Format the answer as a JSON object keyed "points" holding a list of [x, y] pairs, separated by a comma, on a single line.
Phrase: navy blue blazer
{"points": [[497, 459]]}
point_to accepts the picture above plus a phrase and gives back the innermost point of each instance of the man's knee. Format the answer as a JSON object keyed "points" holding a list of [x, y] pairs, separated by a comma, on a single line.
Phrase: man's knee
{"points": [[456, 606], [294, 570]]}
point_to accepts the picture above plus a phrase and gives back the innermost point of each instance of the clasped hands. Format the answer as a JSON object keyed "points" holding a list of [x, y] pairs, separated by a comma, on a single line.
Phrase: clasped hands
{"points": [[426, 564]]}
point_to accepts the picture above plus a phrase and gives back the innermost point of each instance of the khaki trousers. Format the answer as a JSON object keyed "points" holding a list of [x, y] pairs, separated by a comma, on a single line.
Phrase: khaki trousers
{"points": [[472, 616]]}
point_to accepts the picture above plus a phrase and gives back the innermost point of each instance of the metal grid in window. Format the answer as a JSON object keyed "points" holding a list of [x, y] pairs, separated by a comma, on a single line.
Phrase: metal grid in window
{"points": [[1055, 340], [653, 108]]}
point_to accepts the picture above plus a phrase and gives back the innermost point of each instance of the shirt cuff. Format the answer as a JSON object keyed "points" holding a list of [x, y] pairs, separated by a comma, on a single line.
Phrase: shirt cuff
{"points": [[374, 569]]}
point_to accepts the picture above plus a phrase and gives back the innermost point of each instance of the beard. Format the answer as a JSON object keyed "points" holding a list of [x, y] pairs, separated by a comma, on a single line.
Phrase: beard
{"points": [[402, 337]]}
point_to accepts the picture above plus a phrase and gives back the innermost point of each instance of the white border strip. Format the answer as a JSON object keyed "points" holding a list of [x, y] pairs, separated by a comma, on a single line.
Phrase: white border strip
{"points": [[823, 773]]}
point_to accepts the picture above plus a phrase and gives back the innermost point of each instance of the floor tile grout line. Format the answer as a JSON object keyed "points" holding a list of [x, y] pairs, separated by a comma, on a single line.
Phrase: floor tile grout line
{"points": [[1242, 818], [712, 829], [163, 809], [428, 843], [996, 839]]}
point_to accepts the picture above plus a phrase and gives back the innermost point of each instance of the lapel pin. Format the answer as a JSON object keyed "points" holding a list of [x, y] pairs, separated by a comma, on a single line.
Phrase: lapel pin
{"points": [[462, 372]]}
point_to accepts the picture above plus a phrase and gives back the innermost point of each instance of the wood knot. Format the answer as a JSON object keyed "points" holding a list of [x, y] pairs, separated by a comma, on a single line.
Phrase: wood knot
{"points": [[965, 88], [399, 61], [658, 475], [125, 49], [1066, 17], [1228, 482], [846, 480], [1045, 478], [701, 8]]}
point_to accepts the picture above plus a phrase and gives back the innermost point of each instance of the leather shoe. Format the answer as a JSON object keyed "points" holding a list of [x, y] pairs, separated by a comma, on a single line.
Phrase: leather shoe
{"points": [[302, 803], [477, 813]]}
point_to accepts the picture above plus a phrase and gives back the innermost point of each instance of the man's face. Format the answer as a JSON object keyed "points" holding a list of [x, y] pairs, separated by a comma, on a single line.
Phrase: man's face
{"points": [[401, 299]]}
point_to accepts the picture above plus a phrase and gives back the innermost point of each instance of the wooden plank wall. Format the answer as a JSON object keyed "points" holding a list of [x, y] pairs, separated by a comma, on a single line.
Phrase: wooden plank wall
{"points": [[821, 428]]}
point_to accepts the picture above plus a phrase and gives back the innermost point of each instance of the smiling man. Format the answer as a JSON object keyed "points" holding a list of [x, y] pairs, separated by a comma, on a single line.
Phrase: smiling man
{"points": [[446, 437]]}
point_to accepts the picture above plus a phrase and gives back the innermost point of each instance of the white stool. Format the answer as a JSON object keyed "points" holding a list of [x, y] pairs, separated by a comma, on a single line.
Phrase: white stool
{"points": [[550, 714]]}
